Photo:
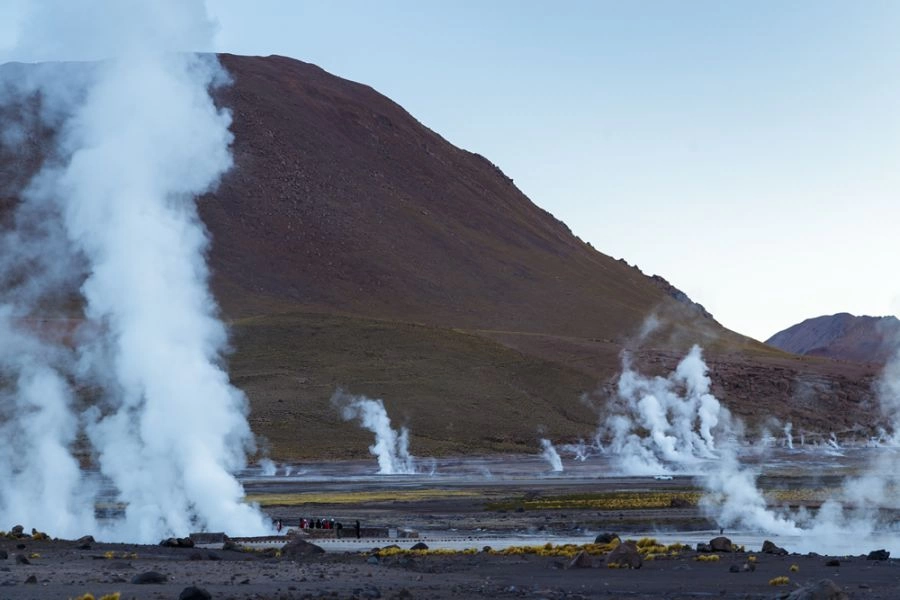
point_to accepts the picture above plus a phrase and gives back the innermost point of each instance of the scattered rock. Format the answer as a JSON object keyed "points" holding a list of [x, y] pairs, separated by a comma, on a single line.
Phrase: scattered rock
{"points": [[701, 547], [369, 591], [4, 555], [833, 562], [770, 548], [17, 530], [582, 560], [734, 569], [194, 593], [820, 590], [32, 579], [21, 559], [878, 555], [169, 543], [372, 560], [298, 548], [420, 546], [721, 544], [85, 539], [149, 577], [606, 538], [402, 594], [626, 555]]}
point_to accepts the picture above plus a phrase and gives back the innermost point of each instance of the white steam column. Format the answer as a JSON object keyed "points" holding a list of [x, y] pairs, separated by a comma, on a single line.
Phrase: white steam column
{"points": [[140, 141], [391, 447]]}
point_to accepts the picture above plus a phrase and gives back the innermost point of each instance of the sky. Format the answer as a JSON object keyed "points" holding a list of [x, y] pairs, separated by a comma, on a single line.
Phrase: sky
{"points": [[747, 151]]}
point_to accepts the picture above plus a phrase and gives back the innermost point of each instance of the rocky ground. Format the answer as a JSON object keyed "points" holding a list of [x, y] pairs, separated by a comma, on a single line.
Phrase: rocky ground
{"points": [[68, 569]]}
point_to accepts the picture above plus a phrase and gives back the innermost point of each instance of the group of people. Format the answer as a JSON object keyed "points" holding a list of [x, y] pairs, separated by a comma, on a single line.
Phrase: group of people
{"points": [[319, 524]]}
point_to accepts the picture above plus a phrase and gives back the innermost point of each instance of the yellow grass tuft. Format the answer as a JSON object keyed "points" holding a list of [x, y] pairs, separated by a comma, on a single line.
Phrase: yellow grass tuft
{"points": [[707, 558], [779, 580], [794, 568]]}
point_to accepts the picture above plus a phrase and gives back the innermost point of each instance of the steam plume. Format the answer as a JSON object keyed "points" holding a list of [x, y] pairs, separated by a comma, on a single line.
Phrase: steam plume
{"points": [[391, 447], [137, 143], [549, 453], [677, 413]]}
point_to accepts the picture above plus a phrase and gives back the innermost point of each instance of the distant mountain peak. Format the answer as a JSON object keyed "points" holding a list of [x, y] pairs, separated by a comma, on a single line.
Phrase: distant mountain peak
{"points": [[842, 336]]}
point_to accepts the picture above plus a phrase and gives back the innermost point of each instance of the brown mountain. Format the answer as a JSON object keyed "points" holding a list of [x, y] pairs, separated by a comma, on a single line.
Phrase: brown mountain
{"points": [[355, 248], [842, 336]]}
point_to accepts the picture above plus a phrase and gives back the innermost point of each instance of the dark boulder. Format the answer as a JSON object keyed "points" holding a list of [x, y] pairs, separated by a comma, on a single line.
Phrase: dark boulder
{"points": [[582, 560], [420, 546], [4, 554], [85, 539], [17, 531], [721, 544], [169, 543], [184, 542], [32, 579], [824, 589], [149, 577], [194, 593], [701, 547], [21, 559], [878, 555], [625, 555], [832, 562], [770, 548], [606, 538], [298, 548]]}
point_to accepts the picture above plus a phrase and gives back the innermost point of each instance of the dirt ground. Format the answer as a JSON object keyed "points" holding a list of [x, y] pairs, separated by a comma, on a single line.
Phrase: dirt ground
{"points": [[63, 571]]}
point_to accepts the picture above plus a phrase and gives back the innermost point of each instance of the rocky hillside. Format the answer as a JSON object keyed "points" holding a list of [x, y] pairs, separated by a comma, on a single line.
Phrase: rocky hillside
{"points": [[842, 336], [355, 248]]}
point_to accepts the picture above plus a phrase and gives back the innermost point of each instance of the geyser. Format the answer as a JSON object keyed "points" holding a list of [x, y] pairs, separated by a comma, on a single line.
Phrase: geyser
{"points": [[549, 453], [391, 447], [138, 137]]}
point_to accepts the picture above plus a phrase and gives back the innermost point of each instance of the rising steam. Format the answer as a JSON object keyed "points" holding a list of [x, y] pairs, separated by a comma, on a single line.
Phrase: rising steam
{"points": [[549, 453], [674, 424], [391, 447], [138, 137]]}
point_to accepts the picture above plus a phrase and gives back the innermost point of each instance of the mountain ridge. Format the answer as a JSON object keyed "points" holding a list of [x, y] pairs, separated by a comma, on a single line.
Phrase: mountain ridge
{"points": [[842, 336]]}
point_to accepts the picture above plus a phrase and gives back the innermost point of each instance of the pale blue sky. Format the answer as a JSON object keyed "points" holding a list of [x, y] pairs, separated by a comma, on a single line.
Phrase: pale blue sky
{"points": [[746, 151]]}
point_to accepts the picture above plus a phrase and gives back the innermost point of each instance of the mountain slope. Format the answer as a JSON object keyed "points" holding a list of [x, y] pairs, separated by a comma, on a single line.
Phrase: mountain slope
{"points": [[842, 336], [340, 200], [354, 248]]}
